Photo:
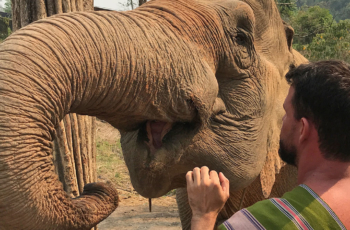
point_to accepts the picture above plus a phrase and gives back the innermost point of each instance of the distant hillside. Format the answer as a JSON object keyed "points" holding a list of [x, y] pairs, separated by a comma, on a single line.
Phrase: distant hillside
{"points": [[340, 9]]}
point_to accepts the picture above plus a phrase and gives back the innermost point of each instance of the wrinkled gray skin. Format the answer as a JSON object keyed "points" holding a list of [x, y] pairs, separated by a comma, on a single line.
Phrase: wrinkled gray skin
{"points": [[210, 71]]}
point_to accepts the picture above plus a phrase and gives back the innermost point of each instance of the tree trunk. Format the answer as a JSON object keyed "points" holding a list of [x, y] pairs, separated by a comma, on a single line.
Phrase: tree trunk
{"points": [[141, 2], [74, 150]]}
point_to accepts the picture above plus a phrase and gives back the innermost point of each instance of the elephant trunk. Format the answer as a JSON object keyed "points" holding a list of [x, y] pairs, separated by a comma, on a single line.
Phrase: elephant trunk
{"points": [[39, 84], [90, 64], [31, 196]]}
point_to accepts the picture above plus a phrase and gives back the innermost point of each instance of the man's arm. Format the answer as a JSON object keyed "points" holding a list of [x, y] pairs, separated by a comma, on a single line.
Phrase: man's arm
{"points": [[207, 195]]}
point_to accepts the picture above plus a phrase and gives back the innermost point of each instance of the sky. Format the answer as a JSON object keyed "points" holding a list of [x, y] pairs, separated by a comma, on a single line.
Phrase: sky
{"points": [[111, 4], [108, 4]]}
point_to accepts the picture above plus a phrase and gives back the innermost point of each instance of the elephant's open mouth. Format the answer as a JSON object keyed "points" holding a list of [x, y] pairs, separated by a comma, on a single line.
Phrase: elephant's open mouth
{"points": [[156, 130], [158, 133]]}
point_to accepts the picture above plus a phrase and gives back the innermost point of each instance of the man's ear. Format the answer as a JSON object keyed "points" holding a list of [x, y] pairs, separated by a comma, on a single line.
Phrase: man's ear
{"points": [[304, 129]]}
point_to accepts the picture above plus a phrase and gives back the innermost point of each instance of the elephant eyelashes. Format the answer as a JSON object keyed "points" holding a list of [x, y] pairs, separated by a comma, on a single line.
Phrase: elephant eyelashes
{"points": [[244, 54], [243, 38]]}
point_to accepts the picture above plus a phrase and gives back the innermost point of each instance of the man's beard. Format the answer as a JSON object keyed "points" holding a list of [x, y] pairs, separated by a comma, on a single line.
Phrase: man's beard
{"points": [[288, 153]]}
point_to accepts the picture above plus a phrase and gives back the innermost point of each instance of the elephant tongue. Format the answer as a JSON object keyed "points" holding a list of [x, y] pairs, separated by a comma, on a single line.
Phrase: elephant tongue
{"points": [[156, 130]]}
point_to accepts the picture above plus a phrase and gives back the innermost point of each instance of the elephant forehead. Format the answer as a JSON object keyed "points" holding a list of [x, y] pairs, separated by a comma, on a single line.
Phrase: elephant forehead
{"points": [[236, 10]]}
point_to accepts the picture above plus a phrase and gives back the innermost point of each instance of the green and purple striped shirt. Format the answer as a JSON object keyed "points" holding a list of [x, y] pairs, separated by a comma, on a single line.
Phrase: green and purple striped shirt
{"points": [[299, 209]]}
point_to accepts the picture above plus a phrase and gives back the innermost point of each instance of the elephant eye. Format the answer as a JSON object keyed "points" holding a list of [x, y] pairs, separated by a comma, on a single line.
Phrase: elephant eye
{"points": [[241, 39], [243, 49]]}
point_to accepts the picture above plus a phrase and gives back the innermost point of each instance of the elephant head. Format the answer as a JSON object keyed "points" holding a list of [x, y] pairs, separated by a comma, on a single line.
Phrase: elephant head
{"points": [[245, 49], [188, 83]]}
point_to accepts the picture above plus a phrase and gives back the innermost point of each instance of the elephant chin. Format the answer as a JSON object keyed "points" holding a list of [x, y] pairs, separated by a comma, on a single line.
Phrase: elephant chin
{"points": [[150, 185]]}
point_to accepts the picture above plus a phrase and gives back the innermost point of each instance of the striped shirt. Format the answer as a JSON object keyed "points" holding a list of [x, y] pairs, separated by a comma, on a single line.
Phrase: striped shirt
{"points": [[299, 209]]}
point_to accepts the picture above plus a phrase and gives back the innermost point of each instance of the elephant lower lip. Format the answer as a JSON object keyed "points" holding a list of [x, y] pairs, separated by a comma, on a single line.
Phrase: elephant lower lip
{"points": [[156, 130]]}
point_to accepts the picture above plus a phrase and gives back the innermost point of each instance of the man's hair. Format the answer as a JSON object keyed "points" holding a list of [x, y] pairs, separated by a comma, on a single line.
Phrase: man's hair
{"points": [[322, 95]]}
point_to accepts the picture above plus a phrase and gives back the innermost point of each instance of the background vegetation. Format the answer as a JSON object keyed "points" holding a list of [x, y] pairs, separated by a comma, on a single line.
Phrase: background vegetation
{"points": [[321, 27], [5, 22]]}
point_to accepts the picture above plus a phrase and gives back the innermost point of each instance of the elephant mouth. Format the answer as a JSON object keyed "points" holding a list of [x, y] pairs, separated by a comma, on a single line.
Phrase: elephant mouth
{"points": [[155, 134], [156, 130]]}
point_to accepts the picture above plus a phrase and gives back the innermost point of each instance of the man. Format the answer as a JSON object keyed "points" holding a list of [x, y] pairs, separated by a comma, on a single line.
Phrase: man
{"points": [[315, 137]]}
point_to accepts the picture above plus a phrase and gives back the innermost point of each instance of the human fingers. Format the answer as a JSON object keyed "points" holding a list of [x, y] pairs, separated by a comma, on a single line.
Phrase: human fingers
{"points": [[189, 178], [204, 174], [214, 177], [225, 183], [196, 176]]}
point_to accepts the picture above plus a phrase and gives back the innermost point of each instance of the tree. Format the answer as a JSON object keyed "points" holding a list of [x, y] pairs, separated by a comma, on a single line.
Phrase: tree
{"points": [[287, 8], [340, 9], [8, 7], [309, 22], [141, 2], [334, 43], [4, 27]]}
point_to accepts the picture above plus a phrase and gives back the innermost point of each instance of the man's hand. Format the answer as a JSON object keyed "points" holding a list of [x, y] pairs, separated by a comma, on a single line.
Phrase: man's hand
{"points": [[207, 195]]}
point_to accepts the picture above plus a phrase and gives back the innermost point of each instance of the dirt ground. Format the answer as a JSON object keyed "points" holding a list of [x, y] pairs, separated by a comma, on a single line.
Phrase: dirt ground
{"points": [[133, 211]]}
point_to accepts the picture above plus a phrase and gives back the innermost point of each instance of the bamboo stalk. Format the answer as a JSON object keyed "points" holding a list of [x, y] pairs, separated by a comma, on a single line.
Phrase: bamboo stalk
{"points": [[88, 5], [69, 144], [73, 5], [25, 10], [77, 151], [50, 7], [66, 6], [56, 160], [88, 123], [16, 16], [67, 162], [93, 152], [40, 10], [83, 148], [68, 126], [79, 5], [58, 6]]}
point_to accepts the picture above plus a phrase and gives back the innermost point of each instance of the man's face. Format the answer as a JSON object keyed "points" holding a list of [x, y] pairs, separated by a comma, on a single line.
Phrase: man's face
{"points": [[288, 136]]}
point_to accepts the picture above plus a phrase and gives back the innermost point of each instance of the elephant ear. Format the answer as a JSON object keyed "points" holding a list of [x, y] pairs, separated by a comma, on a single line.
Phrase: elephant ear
{"points": [[297, 57], [289, 34], [273, 162]]}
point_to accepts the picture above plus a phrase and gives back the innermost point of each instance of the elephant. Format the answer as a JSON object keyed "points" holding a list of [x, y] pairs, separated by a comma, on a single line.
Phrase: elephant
{"points": [[187, 82]]}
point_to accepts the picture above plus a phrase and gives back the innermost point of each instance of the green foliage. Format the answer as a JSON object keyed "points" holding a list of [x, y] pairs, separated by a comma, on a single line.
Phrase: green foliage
{"points": [[320, 32], [4, 27], [310, 22], [332, 44], [340, 9], [287, 8], [8, 7]]}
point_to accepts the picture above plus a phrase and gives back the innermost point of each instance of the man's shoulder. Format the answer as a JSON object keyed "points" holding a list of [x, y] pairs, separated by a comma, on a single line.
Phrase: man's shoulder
{"points": [[298, 209]]}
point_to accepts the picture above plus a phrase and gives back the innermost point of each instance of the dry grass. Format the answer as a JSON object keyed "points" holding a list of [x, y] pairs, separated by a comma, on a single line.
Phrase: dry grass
{"points": [[111, 167]]}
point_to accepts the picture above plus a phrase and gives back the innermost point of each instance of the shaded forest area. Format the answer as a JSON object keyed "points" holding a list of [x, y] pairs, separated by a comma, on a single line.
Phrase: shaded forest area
{"points": [[5, 19], [321, 27], [340, 9]]}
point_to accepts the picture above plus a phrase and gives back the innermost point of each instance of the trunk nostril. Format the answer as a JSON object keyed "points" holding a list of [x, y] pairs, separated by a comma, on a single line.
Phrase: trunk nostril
{"points": [[219, 106]]}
